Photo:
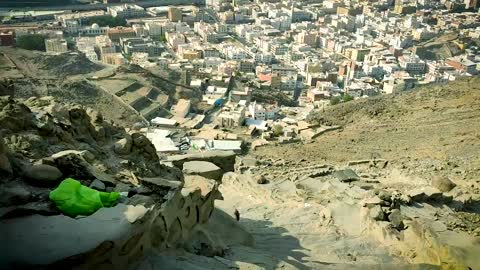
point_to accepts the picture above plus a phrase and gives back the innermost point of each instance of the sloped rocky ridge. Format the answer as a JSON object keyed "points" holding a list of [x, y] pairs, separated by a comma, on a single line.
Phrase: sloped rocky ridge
{"points": [[43, 142]]}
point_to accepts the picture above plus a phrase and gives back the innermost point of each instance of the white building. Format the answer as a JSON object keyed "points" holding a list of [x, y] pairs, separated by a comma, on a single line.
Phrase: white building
{"points": [[412, 64], [126, 11], [155, 29], [93, 30]]}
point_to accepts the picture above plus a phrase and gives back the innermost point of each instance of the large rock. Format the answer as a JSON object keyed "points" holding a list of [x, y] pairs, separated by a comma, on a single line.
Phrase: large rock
{"points": [[346, 175], [14, 194], [72, 164], [376, 213], [139, 140], [203, 168], [43, 174], [5, 166], [123, 146], [59, 237], [14, 116], [98, 185], [424, 194], [223, 159], [442, 183], [396, 219]]}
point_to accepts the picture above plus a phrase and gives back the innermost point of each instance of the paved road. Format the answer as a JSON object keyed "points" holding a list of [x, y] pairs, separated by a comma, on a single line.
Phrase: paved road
{"points": [[153, 3]]}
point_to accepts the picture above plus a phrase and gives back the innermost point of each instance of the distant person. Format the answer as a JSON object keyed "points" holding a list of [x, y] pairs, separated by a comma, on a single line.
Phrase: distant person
{"points": [[237, 214]]}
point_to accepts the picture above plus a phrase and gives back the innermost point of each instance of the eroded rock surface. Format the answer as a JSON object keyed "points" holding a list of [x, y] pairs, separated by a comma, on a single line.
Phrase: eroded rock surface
{"points": [[44, 142]]}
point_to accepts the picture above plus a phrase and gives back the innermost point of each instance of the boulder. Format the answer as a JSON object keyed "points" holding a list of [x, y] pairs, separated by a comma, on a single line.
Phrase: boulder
{"points": [[425, 194], [250, 162], [5, 165], [260, 179], [223, 159], [385, 195], [138, 126], [203, 168], [376, 213], [73, 164], [347, 175], [139, 140], [122, 187], [59, 237], [43, 174], [14, 194], [95, 116], [123, 146], [396, 219], [139, 199], [44, 208], [161, 182], [371, 202], [98, 185], [442, 183]]}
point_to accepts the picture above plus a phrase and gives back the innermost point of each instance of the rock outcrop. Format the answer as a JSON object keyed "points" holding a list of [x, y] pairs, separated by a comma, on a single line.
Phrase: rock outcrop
{"points": [[203, 168], [223, 159], [43, 142]]}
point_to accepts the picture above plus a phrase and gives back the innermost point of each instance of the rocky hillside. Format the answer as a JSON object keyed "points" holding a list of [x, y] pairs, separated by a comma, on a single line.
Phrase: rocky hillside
{"points": [[401, 174], [43, 142], [433, 129]]}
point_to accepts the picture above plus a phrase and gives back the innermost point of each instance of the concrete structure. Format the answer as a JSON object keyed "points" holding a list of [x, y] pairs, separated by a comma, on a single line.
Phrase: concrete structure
{"points": [[56, 45], [93, 30], [462, 64], [141, 45], [115, 59], [120, 32], [126, 11], [7, 38], [232, 116], [412, 64], [182, 108], [174, 14]]}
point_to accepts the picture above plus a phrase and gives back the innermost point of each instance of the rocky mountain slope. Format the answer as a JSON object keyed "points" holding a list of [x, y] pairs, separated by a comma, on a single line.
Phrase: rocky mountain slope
{"points": [[71, 77], [403, 172], [384, 192], [43, 142]]}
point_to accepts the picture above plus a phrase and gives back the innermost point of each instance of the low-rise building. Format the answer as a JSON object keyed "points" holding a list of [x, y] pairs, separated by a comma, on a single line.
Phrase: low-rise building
{"points": [[126, 11], [412, 64], [115, 59], [316, 94], [56, 45], [120, 32], [238, 95], [7, 38], [461, 63], [231, 117], [142, 45], [93, 30]]}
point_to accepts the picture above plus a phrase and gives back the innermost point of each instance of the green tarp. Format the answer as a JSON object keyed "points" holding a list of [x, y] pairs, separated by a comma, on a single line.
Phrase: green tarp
{"points": [[74, 199]]}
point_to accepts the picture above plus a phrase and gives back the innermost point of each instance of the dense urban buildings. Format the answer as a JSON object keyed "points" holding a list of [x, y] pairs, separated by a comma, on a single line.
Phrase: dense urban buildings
{"points": [[313, 53]]}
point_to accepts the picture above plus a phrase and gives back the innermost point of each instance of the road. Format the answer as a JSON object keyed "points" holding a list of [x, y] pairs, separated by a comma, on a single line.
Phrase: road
{"points": [[4, 8]]}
